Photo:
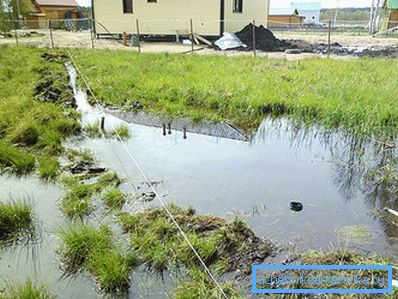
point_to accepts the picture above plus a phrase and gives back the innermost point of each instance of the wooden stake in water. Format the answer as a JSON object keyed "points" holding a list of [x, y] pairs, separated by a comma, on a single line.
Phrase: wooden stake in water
{"points": [[169, 128], [103, 123], [164, 130], [329, 36], [138, 35], [51, 34], [185, 133], [192, 39], [254, 38]]}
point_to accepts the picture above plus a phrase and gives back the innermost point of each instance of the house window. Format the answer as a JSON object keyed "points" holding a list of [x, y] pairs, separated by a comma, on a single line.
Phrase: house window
{"points": [[152, 1], [127, 6], [238, 6]]}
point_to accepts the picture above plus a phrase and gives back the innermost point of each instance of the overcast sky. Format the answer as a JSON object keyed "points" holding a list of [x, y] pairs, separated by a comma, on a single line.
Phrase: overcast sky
{"points": [[286, 3]]}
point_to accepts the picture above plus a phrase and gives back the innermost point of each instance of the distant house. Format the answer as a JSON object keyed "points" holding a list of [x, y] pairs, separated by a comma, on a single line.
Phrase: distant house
{"points": [[44, 10], [285, 18], [310, 10], [172, 17], [392, 6]]}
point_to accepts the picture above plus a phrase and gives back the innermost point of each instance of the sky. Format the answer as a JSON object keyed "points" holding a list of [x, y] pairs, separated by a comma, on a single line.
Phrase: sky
{"points": [[286, 3]]}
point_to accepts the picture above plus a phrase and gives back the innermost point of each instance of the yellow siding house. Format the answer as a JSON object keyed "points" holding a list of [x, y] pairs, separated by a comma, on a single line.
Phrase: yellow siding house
{"points": [[172, 17]]}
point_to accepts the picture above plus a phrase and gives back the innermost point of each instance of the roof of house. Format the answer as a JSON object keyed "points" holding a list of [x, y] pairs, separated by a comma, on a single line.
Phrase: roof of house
{"points": [[306, 5], [56, 2], [283, 12]]}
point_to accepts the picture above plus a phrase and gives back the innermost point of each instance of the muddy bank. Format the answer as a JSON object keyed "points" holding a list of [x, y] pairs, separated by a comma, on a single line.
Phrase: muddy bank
{"points": [[266, 41]]}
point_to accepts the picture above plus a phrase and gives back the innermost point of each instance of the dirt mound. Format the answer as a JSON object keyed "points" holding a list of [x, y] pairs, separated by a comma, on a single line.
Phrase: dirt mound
{"points": [[265, 39]]}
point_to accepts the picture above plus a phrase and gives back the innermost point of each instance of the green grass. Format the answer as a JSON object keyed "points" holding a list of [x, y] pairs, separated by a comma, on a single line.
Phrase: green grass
{"points": [[80, 242], [49, 167], [200, 286], [88, 248], [77, 203], [114, 199], [29, 127], [158, 243], [355, 94], [26, 291], [16, 222]]}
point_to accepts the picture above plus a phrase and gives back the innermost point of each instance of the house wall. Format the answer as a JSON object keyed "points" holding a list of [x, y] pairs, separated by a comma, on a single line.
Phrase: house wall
{"points": [[59, 12], [166, 17], [162, 18], [252, 9], [311, 16]]}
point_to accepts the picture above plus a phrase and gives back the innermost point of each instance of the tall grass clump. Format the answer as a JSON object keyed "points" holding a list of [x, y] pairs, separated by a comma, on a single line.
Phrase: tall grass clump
{"points": [[16, 222], [201, 286], [49, 167], [14, 159], [354, 94], [114, 198], [28, 290], [91, 249], [77, 203]]}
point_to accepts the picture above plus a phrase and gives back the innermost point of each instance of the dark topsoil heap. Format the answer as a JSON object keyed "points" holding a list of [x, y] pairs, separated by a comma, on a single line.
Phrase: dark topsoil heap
{"points": [[266, 40]]}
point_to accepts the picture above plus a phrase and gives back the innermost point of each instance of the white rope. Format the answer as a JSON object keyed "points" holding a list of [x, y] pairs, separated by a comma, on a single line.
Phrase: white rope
{"points": [[151, 185]]}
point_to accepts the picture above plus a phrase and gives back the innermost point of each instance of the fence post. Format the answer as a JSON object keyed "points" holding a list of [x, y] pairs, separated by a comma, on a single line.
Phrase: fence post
{"points": [[16, 32], [138, 35], [51, 34], [329, 34], [92, 34], [192, 39], [254, 38]]}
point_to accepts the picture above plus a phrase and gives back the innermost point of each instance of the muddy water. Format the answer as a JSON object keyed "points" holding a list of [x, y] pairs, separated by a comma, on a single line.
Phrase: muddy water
{"points": [[284, 162]]}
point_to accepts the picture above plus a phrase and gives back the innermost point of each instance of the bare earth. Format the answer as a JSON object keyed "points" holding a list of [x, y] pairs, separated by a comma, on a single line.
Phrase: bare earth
{"points": [[67, 39]]}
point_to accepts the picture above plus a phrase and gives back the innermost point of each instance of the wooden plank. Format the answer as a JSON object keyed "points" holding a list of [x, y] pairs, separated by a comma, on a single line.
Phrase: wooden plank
{"points": [[202, 39]]}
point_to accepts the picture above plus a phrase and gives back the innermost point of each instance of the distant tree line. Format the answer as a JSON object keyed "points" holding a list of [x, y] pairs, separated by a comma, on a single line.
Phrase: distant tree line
{"points": [[12, 10], [346, 14]]}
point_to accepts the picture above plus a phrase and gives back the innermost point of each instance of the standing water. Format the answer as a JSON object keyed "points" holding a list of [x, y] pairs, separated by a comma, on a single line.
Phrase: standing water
{"points": [[257, 179]]}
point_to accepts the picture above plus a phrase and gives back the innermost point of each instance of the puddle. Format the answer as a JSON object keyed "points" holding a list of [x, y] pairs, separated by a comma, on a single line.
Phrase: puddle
{"points": [[283, 163], [256, 179]]}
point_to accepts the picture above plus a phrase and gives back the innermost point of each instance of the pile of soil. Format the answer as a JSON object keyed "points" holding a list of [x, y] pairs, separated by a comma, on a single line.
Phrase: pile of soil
{"points": [[265, 39]]}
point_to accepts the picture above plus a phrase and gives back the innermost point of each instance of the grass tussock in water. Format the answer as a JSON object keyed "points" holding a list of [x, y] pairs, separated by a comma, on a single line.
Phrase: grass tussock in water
{"points": [[222, 245], [91, 249], [354, 94], [33, 121], [200, 286], [16, 222], [28, 290], [77, 204], [114, 199]]}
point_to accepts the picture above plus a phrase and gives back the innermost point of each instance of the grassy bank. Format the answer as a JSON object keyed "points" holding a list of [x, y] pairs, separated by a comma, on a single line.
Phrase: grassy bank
{"points": [[34, 115], [355, 94]]}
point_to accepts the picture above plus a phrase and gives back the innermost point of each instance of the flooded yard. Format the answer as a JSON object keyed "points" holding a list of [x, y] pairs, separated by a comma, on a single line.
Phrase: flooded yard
{"points": [[256, 178]]}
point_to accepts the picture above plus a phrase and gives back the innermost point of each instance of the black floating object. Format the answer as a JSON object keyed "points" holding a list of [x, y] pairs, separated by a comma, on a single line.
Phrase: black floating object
{"points": [[296, 206]]}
